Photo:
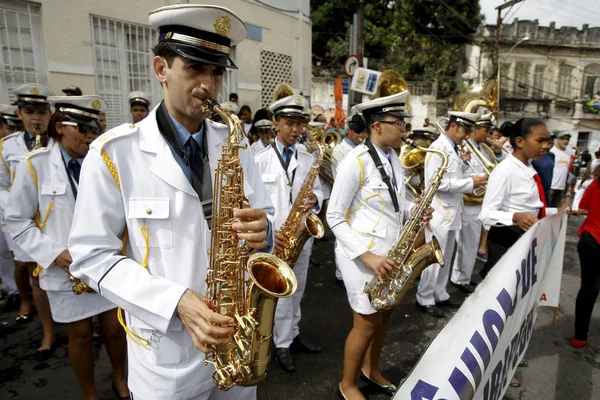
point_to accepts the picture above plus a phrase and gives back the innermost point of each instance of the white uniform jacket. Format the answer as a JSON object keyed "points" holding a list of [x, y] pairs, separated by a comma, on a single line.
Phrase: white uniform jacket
{"points": [[154, 192], [361, 212], [41, 185], [275, 181], [338, 154], [448, 201], [257, 146], [12, 151]]}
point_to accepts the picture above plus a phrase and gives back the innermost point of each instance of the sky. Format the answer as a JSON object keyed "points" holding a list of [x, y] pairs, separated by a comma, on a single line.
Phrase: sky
{"points": [[563, 12]]}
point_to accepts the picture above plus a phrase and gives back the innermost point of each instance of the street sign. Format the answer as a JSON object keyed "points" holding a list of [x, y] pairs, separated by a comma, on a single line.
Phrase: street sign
{"points": [[351, 65]]}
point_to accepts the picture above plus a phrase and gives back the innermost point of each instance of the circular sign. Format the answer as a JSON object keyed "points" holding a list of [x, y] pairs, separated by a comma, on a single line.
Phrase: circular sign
{"points": [[351, 65]]}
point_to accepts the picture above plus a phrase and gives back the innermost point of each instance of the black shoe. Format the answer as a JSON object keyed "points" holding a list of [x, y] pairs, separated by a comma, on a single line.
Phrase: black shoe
{"points": [[467, 288], [434, 311], [45, 354], [114, 388], [285, 359], [340, 393], [340, 283], [385, 389], [451, 302], [301, 345]]}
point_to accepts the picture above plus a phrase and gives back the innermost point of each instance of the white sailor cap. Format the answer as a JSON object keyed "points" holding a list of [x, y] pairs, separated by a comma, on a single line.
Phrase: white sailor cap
{"points": [[425, 132], [141, 98], [9, 115], [290, 106], [230, 106], [73, 89], [467, 120], [393, 105], [316, 124], [31, 95], [204, 33], [263, 124], [81, 109], [486, 120]]}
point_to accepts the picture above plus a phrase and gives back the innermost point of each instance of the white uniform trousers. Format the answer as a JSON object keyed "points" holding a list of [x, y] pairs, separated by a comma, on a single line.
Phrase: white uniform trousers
{"points": [[287, 315], [466, 252], [432, 288], [235, 393], [7, 267]]}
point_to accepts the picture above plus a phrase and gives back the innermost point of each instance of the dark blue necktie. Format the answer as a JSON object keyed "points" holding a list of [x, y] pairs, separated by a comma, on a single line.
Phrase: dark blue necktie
{"points": [[194, 153], [287, 156], [75, 169]]}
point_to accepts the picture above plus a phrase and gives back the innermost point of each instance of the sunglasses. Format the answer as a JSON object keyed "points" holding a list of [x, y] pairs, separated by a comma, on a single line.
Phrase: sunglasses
{"points": [[399, 124], [83, 128]]}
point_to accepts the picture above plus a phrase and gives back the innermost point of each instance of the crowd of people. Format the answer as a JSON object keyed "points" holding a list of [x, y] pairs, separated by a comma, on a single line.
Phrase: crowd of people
{"points": [[117, 226]]}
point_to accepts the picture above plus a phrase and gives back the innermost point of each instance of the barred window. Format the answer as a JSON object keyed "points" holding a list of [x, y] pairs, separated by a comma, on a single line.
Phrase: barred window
{"points": [[22, 55], [521, 80], [505, 80], [538, 81], [591, 80], [565, 80]]}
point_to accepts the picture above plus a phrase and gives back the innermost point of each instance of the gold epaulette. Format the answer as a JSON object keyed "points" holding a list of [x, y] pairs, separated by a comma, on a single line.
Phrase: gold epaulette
{"points": [[115, 133]]}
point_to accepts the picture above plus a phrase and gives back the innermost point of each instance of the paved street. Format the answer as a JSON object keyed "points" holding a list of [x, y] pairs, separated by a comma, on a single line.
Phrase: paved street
{"points": [[556, 371]]}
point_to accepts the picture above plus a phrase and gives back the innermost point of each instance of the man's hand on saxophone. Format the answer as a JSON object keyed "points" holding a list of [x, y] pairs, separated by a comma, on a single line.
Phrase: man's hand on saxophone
{"points": [[64, 261], [204, 326], [380, 265], [253, 227], [310, 201]]}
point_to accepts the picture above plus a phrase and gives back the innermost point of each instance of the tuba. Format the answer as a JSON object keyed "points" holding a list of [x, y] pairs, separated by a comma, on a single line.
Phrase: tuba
{"points": [[391, 82], [242, 286], [388, 294], [300, 225]]}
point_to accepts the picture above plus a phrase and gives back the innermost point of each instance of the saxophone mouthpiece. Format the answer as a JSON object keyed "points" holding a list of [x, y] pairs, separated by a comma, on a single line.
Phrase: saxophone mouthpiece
{"points": [[411, 143], [301, 139]]}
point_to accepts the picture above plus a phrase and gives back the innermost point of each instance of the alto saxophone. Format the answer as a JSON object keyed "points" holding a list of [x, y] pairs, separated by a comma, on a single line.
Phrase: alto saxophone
{"points": [[300, 225], [388, 294], [242, 286]]}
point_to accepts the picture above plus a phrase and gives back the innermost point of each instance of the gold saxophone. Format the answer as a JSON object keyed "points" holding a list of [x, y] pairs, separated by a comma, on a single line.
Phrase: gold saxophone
{"points": [[388, 294], [242, 286], [300, 225]]}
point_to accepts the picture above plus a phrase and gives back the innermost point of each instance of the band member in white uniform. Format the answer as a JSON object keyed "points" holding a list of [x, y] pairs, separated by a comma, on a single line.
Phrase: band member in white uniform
{"points": [[470, 231], [134, 179], [514, 200], [34, 111], [39, 215], [448, 205], [139, 106], [284, 167], [366, 213], [352, 139], [264, 129]]}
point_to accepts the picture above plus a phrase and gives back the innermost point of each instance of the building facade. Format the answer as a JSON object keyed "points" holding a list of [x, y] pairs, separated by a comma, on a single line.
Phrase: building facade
{"points": [[545, 72], [105, 48]]}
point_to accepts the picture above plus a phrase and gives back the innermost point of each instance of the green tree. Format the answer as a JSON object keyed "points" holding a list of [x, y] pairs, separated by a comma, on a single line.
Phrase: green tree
{"points": [[421, 39]]}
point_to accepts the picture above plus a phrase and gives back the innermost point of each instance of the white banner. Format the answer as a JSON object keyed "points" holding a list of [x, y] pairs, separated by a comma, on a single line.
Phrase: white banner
{"points": [[477, 352]]}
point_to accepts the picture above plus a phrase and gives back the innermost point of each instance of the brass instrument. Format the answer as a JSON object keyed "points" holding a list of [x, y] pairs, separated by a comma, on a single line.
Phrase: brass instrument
{"points": [[388, 294], [481, 94], [282, 90], [391, 82], [328, 141], [37, 131], [242, 286], [300, 225], [476, 198], [412, 160], [79, 286]]}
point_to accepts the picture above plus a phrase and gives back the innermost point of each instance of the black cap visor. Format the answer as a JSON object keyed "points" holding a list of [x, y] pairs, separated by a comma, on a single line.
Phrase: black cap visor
{"points": [[87, 121], [202, 55]]}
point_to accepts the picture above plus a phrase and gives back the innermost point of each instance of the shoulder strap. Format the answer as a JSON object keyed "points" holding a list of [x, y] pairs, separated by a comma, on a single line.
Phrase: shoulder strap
{"points": [[384, 175]]}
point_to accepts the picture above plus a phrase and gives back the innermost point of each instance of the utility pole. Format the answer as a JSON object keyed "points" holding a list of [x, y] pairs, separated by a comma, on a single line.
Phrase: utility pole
{"points": [[356, 97]]}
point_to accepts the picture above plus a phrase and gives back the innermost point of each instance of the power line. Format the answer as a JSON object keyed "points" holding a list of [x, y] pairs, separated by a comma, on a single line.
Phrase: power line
{"points": [[516, 10]]}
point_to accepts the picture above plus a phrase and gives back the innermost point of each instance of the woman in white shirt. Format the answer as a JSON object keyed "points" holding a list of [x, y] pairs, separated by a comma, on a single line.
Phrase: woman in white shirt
{"points": [[39, 215], [514, 200], [366, 221]]}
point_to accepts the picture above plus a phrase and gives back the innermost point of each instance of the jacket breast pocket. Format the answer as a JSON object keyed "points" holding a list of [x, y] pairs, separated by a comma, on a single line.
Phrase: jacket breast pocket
{"points": [[154, 214], [53, 189]]}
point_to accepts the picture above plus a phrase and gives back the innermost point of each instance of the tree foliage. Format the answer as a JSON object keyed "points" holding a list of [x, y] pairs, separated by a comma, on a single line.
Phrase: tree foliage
{"points": [[421, 39]]}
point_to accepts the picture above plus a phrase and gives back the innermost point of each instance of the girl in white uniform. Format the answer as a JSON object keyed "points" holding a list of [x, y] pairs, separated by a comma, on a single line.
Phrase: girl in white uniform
{"points": [[514, 200], [39, 214], [366, 221]]}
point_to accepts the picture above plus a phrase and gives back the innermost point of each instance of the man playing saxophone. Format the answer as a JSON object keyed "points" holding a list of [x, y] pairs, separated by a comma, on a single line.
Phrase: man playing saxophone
{"points": [[285, 166], [448, 206], [150, 186], [366, 212], [471, 227]]}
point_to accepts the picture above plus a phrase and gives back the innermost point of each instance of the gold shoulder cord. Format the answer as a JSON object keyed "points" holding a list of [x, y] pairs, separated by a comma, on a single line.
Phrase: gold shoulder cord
{"points": [[134, 337], [37, 215], [2, 157]]}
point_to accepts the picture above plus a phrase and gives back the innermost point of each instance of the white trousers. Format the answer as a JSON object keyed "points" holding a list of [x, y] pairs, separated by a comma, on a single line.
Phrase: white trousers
{"points": [[287, 315], [235, 393], [432, 288], [466, 252], [7, 267]]}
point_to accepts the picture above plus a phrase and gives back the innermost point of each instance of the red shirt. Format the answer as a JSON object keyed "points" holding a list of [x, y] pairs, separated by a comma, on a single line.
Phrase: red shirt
{"points": [[591, 202]]}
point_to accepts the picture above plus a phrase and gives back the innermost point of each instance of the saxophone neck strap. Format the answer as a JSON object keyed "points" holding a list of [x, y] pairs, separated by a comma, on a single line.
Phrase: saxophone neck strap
{"points": [[386, 178]]}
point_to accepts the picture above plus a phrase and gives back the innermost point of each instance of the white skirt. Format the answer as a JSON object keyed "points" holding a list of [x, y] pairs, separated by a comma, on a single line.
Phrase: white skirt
{"points": [[355, 275], [67, 307]]}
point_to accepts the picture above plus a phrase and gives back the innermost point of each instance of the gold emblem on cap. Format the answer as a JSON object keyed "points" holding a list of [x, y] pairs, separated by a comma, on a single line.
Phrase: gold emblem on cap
{"points": [[298, 102], [34, 91], [96, 105], [223, 26]]}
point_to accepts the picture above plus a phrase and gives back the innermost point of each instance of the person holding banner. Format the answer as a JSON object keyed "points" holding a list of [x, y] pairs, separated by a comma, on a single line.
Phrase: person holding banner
{"points": [[589, 253], [514, 200]]}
